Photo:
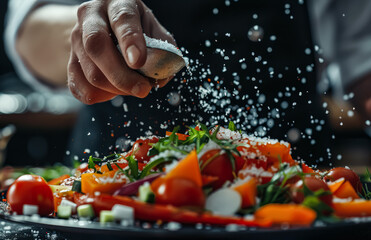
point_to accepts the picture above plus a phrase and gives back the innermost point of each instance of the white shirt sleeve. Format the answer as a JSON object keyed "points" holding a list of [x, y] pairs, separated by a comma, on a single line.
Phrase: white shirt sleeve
{"points": [[342, 28], [17, 12]]}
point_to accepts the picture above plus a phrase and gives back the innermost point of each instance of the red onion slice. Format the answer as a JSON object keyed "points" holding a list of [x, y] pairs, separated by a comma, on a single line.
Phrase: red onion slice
{"points": [[132, 188]]}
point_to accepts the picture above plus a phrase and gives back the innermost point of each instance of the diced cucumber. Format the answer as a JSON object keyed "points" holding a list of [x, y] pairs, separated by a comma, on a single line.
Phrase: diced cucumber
{"points": [[30, 209], [106, 216], [146, 194], [64, 211], [85, 211], [122, 212], [66, 202]]}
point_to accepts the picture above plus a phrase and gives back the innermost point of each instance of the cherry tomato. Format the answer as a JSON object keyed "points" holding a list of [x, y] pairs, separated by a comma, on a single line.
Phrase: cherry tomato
{"points": [[340, 172], [33, 190], [213, 163], [141, 147], [314, 184], [179, 192]]}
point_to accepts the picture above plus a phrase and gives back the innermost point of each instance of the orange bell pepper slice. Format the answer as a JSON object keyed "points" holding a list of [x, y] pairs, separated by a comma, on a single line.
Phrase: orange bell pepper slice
{"points": [[104, 183], [286, 214]]}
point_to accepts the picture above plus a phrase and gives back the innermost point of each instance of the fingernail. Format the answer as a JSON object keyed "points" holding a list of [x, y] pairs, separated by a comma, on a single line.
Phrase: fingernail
{"points": [[132, 53], [140, 89]]}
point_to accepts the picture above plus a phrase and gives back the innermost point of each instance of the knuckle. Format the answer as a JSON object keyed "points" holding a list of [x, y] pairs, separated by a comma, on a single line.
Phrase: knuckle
{"points": [[94, 77], [82, 10], [73, 89], [75, 34], [93, 42], [89, 98], [128, 32], [123, 14], [120, 82]]}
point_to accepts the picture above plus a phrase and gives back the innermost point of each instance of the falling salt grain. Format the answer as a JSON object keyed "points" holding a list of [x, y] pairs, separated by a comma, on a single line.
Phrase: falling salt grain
{"points": [[368, 122], [215, 11], [339, 157], [255, 34], [207, 43]]}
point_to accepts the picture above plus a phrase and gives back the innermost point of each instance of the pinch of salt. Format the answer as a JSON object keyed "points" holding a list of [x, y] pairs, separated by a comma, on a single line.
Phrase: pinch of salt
{"points": [[157, 43]]}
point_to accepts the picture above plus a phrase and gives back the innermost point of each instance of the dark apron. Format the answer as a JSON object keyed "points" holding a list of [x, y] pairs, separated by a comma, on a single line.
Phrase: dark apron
{"points": [[268, 59]]}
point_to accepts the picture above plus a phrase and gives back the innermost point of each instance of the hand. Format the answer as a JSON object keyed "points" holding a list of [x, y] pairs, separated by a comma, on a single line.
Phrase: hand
{"points": [[97, 71]]}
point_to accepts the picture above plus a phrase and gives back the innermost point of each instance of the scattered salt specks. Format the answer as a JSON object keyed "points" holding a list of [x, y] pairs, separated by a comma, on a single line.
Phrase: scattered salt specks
{"points": [[254, 171]]}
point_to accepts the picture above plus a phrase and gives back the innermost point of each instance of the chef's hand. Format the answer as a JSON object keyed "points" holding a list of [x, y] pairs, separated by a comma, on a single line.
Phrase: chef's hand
{"points": [[97, 71]]}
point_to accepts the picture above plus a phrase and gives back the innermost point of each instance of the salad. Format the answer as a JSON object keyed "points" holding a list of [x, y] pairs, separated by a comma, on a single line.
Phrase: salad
{"points": [[216, 176]]}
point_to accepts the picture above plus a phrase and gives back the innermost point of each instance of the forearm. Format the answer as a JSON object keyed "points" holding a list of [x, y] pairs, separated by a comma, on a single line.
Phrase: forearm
{"points": [[43, 42]]}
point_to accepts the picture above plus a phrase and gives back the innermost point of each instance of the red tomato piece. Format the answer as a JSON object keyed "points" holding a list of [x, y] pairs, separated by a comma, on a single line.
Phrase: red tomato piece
{"points": [[340, 172], [213, 163], [314, 184], [179, 192], [32, 190], [141, 147]]}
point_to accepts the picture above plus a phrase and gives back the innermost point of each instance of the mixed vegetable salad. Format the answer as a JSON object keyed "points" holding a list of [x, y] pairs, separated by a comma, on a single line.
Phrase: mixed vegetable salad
{"points": [[215, 176]]}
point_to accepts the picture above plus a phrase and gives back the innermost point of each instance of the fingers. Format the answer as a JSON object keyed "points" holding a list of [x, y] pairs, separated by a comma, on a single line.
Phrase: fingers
{"points": [[125, 21], [91, 72], [98, 46], [81, 88], [97, 71]]}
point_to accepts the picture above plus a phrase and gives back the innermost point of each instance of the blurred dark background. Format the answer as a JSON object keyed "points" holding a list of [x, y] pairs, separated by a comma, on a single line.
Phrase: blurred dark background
{"points": [[42, 126], [44, 122]]}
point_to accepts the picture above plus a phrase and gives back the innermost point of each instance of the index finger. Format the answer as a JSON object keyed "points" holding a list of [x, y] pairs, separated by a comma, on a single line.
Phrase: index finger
{"points": [[101, 49], [125, 20]]}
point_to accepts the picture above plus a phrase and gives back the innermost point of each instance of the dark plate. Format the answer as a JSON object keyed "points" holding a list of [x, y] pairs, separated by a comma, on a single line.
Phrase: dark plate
{"points": [[349, 229], [75, 229]]}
